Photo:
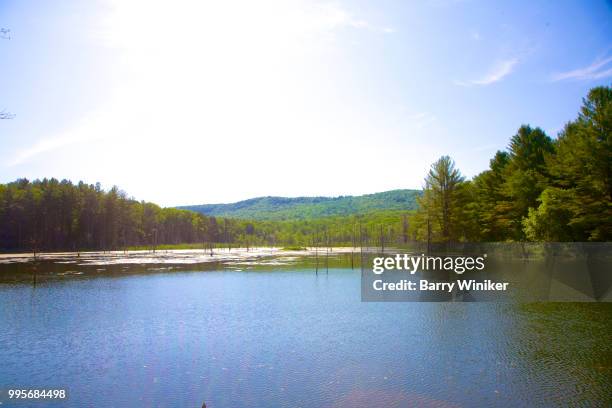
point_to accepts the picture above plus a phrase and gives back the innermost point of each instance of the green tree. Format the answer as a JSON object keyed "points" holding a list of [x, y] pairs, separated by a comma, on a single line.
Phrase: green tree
{"points": [[488, 203], [578, 203], [441, 206], [525, 177]]}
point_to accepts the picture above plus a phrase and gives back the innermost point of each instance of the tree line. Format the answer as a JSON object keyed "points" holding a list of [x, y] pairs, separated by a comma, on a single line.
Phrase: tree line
{"points": [[50, 214], [53, 215], [539, 189]]}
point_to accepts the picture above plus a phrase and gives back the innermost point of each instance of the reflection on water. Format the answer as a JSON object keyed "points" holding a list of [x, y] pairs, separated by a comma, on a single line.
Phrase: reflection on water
{"points": [[283, 336]]}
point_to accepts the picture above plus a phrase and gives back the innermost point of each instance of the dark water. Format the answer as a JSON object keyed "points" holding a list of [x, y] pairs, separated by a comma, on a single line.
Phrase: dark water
{"points": [[290, 338]]}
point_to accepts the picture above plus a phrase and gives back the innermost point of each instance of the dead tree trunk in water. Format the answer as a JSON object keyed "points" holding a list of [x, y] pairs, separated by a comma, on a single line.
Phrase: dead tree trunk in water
{"points": [[34, 277], [154, 240], [34, 243], [316, 239], [326, 251], [353, 248], [360, 246]]}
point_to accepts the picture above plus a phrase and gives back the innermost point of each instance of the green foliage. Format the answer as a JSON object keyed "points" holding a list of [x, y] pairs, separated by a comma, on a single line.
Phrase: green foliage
{"points": [[525, 177], [52, 215], [551, 219], [540, 189], [303, 208], [578, 203], [340, 230], [488, 206], [441, 206]]}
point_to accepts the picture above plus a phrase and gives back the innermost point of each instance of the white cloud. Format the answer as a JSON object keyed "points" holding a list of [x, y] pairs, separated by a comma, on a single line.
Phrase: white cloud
{"points": [[600, 68], [499, 71]]}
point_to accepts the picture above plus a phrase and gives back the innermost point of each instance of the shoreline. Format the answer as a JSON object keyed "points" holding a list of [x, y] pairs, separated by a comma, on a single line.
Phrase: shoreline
{"points": [[169, 256]]}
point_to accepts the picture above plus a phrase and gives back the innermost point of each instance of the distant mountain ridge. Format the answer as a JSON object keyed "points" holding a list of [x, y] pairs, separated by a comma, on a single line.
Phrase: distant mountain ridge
{"points": [[286, 208]]}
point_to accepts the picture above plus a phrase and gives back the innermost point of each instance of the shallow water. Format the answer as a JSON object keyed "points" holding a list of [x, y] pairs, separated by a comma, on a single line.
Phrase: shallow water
{"points": [[285, 336]]}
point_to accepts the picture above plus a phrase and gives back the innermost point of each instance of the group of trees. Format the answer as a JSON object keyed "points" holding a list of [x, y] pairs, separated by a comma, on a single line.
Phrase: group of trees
{"points": [[58, 215], [540, 189], [388, 226], [51, 215]]}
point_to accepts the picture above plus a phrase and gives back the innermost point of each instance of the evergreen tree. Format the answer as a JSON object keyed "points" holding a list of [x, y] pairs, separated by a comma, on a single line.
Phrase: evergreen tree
{"points": [[440, 207], [488, 206], [577, 205], [525, 177]]}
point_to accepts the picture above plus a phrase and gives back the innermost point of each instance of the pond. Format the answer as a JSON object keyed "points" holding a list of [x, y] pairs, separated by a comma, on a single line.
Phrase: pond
{"points": [[282, 335]]}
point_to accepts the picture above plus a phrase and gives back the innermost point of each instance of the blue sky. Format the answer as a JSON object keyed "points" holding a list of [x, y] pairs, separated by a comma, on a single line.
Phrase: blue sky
{"points": [[189, 102]]}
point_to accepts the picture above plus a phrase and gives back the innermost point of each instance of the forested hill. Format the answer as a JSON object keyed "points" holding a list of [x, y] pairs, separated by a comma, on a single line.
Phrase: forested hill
{"points": [[299, 208]]}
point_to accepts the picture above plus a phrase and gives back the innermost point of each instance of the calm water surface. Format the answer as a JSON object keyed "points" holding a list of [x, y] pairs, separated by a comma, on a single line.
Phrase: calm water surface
{"points": [[290, 338]]}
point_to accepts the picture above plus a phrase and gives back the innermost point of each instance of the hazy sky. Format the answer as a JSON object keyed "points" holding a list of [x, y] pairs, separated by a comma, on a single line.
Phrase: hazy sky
{"points": [[185, 102]]}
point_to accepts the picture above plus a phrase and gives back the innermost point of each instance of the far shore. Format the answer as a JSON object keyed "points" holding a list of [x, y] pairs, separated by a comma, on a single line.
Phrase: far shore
{"points": [[172, 256], [239, 254]]}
